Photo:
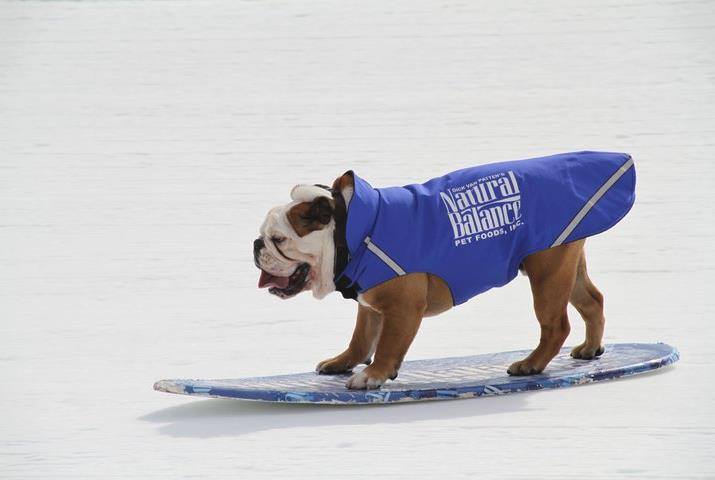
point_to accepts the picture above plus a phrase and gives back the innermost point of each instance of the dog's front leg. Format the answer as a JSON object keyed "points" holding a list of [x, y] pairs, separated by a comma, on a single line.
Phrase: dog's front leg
{"points": [[362, 345], [401, 303], [398, 331]]}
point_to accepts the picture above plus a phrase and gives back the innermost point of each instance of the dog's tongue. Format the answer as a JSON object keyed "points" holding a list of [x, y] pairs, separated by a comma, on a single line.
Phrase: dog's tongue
{"points": [[268, 280]]}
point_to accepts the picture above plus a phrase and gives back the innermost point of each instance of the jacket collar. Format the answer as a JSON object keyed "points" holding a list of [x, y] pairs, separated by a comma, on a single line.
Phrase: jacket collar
{"points": [[362, 213], [349, 236]]}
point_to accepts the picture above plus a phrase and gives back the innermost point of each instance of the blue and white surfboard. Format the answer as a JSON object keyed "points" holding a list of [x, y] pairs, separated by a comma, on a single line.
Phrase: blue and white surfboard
{"points": [[437, 379]]}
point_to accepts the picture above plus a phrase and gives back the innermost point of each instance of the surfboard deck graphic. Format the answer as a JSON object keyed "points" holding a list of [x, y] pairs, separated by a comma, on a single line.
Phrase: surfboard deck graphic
{"points": [[436, 379]]}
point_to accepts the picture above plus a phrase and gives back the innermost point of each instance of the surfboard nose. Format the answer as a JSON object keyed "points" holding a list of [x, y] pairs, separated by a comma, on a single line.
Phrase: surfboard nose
{"points": [[169, 386]]}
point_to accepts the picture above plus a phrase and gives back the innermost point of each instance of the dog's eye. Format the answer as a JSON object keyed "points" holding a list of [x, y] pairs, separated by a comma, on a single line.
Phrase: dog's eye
{"points": [[277, 240]]}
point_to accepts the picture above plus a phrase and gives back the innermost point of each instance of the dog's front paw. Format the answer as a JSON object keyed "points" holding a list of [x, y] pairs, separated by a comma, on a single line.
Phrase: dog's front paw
{"points": [[524, 367], [342, 363], [587, 352], [369, 379], [334, 365]]}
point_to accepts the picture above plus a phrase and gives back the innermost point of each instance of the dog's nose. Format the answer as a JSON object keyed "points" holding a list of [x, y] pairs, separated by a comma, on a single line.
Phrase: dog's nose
{"points": [[258, 244]]}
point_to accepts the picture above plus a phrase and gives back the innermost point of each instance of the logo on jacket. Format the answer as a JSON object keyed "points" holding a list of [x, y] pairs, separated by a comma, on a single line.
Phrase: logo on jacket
{"points": [[485, 208]]}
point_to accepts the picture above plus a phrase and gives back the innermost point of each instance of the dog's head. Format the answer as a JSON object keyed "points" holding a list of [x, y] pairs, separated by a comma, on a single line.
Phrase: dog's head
{"points": [[296, 250]]}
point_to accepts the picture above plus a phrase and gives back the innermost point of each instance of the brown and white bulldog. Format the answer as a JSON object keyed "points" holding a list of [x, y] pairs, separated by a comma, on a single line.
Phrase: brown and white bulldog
{"points": [[300, 243]]}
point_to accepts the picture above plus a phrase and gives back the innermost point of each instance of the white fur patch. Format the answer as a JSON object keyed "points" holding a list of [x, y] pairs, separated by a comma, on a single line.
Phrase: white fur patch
{"points": [[307, 193], [362, 381]]}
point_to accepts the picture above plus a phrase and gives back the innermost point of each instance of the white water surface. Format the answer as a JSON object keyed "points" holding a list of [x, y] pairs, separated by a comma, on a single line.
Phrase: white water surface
{"points": [[141, 143]]}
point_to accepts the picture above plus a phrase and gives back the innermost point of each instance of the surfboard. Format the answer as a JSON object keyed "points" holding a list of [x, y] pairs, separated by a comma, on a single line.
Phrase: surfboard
{"points": [[437, 379]]}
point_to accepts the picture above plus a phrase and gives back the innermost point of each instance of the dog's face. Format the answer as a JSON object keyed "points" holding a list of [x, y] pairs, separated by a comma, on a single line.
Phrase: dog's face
{"points": [[295, 251]]}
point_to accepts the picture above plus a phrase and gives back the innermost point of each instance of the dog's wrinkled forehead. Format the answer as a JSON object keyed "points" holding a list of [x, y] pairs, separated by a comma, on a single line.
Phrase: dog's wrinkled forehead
{"points": [[276, 223]]}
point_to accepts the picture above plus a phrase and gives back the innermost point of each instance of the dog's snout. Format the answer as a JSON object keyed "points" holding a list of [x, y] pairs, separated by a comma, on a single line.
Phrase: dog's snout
{"points": [[258, 244]]}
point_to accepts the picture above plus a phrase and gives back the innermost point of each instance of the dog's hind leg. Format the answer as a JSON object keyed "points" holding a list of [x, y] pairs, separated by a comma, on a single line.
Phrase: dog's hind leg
{"points": [[552, 274], [586, 298]]}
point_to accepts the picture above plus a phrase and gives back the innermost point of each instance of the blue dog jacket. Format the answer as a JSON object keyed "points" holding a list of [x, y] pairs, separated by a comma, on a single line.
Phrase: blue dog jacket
{"points": [[473, 227]]}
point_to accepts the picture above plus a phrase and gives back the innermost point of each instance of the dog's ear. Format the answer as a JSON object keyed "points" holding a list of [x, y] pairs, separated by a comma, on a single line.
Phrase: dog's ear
{"points": [[343, 181], [321, 210], [307, 217]]}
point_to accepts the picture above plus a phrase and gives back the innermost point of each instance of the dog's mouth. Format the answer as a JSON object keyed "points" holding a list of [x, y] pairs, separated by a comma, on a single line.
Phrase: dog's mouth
{"points": [[285, 287]]}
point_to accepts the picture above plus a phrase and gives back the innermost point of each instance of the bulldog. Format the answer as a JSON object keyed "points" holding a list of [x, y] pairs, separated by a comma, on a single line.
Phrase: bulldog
{"points": [[405, 253]]}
